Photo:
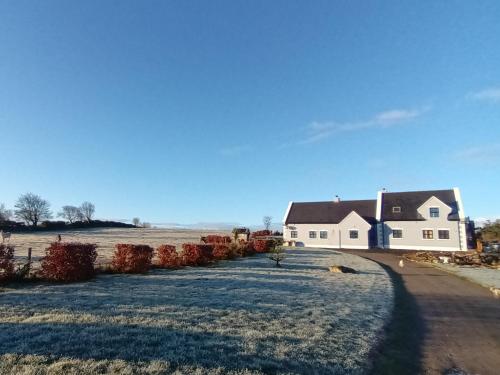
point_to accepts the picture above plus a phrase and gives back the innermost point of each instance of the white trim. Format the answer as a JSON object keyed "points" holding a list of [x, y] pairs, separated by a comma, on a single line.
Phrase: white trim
{"points": [[427, 239], [398, 211], [327, 234], [437, 248], [378, 214], [353, 230], [309, 234], [439, 212], [423, 204], [287, 212], [458, 198], [443, 239], [358, 215], [363, 247], [397, 238]]}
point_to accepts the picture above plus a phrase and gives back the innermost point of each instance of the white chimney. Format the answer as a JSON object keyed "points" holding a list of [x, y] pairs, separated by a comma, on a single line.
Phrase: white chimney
{"points": [[337, 199]]}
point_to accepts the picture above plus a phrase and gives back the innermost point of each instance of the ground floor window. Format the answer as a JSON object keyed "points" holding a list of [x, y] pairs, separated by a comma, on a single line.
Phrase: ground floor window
{"points": [[444, 234], [312, 234], [428, 234], [293, 234], [323, 234], [397, 233], [353, 234]]}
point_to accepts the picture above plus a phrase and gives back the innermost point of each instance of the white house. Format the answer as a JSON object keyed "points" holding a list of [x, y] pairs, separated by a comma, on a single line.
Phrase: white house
{"points": [[417, 220]]}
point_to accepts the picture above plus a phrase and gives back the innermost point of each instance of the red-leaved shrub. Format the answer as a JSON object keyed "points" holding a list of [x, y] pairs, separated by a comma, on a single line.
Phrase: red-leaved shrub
{"points": [[262, 246], [69, 261], [196, 254], [6, 262], [261, 233], [223, 251], [132, 258], [168, 257], [215, 238]]}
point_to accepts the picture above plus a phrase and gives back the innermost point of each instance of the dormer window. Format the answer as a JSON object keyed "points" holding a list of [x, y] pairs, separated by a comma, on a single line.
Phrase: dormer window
{"points": [[434, 211], [396, 209]]}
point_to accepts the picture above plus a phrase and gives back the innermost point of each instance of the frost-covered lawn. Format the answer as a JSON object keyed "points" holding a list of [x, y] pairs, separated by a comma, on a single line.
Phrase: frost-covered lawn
{"points": [[486, 277], [242, 316]]}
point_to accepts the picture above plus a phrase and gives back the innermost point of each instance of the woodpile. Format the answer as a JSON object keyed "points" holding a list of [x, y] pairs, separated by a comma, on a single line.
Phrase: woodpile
{"points": [[469, 258]]}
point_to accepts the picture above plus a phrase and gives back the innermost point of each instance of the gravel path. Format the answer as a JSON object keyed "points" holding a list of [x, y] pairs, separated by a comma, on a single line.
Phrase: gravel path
{"points": [[456, 325]]}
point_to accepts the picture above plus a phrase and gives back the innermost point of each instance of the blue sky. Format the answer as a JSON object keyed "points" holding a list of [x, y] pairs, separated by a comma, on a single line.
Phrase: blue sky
{"points": [[223, 111]]}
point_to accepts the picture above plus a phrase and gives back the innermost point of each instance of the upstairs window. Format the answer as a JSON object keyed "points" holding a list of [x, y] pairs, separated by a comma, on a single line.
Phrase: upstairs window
{"points": [[434, 212], [428, 234], [323, 234], [396, 209], [353, 234], [444, 234], [312, 234], [397, 233], [293, 234]]}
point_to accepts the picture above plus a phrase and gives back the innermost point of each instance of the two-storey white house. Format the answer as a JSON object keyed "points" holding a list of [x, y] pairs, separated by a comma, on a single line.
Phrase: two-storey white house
{"points": [[417, 220], [421, 220]]}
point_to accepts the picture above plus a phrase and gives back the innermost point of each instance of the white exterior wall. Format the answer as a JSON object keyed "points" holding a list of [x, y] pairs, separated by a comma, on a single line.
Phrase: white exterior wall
{"points": [[413, 237], [338, 234]]}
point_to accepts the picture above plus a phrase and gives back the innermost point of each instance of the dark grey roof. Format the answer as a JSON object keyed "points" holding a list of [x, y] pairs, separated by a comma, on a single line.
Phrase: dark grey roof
{"points": [[410, 201], [330, 212]]}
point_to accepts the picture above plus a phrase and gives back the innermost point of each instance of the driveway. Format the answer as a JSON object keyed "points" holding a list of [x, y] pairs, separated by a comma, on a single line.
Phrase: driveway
{"points": [[442, 324]]}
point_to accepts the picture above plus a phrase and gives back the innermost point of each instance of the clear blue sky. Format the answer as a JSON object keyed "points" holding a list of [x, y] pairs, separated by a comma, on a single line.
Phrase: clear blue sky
{"points": [[223, 111]]}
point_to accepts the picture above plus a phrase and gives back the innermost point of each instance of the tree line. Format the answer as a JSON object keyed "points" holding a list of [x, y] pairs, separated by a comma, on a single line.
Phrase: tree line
{"points": [[32, 209]]}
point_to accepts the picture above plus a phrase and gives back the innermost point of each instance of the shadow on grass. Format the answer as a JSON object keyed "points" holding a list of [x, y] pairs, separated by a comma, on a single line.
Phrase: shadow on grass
{"points": [[401, 350]]}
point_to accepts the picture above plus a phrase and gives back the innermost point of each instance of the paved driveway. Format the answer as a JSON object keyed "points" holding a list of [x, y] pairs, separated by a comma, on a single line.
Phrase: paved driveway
{"points": [[442, 324]]}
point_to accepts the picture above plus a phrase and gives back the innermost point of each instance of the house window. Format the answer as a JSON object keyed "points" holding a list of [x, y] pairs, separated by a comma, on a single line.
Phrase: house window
{"points": [[397, 233], [312, 234], [323, 234], [353, 234], [444, 234], [396, 209], [293, 234], [434, 212], [428, 234]]}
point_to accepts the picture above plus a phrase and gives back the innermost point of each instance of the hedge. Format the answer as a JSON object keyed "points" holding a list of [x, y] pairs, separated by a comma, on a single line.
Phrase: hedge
{"points": [[6, 262], [168, 257], [132, 258], [196, 254], [69, 261]]}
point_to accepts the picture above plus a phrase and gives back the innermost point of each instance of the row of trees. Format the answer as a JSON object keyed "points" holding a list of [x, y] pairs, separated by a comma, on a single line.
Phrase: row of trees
{"points": [[32, 209]]}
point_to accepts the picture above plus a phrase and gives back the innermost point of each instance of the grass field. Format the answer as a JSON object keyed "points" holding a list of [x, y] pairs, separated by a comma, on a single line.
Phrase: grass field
{"points": [[237, 317], [105, 239]]}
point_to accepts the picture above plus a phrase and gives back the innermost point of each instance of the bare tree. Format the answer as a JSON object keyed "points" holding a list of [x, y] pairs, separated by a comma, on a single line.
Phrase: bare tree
{"points": [[32, 208], [267, 220], [136, 221], [88, 210], [70, 213], [5, 214]]}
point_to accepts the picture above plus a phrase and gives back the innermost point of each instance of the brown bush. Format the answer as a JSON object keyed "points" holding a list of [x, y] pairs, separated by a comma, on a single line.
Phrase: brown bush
{"points": [[6, 262], [263, 246], [132, 258], [196, 254], [223, 251], [168, 257], [69, 261], [245, 249], [215, 238]]}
